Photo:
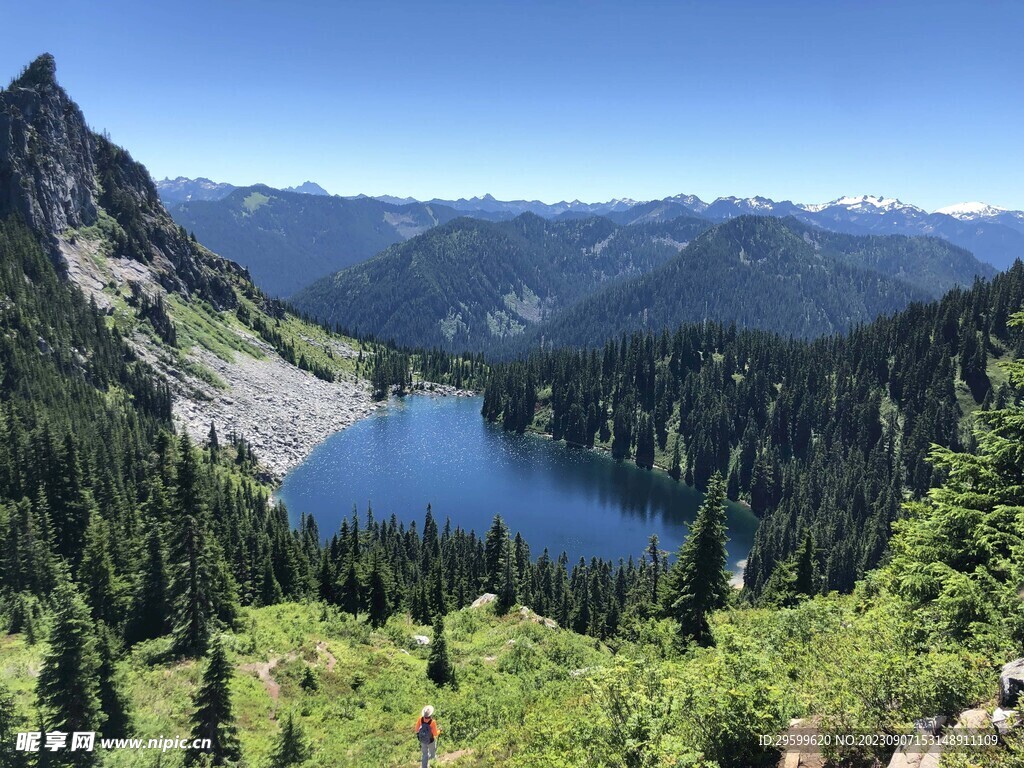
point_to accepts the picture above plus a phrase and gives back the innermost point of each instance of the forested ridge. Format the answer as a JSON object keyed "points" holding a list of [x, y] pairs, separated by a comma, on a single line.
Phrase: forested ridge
{"points": [[472, 284], [769, 274], [511, 286], [823, 439]]}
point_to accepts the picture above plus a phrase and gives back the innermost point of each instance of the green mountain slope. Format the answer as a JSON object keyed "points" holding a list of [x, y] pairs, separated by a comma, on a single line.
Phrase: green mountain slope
{"points": [[287, 240], [772, 274], [473, 284], [219, 342], [510, 285]]}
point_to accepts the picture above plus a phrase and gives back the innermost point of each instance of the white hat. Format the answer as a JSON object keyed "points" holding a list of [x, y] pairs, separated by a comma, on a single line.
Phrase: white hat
{"points": [[428, 711]]}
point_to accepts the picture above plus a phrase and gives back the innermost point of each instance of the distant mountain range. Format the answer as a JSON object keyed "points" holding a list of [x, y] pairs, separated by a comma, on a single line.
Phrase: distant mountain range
{"points": [[774, 274], [502, 286], [183, 189], [995, 235], [289, 239]]}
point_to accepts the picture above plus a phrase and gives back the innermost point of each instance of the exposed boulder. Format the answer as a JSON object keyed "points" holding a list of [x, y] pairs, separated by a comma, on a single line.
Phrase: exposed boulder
{"points": [[1011, 683], [484, 599]]}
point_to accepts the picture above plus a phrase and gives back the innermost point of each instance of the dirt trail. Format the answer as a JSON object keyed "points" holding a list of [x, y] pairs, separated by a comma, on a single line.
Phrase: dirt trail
{"points": [[451, 757], [332, 662], [263, 670]]}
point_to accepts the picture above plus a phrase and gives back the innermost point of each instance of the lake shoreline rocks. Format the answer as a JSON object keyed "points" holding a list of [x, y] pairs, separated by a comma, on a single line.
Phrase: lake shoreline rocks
{"points": [[441, 390], [283, 412]]}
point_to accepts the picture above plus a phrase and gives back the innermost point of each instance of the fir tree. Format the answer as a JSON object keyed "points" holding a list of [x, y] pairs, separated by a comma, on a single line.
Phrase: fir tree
{"points": [[675, 470], [506, 586], [656, 565], [150, 607], [645, 442], [698, 581], [310, 681], [439, 665], [9, 758], [67, 688], [379, 592], [213, 718], [189, 498], [112, 698], [292, 747], [97, 573], [201, 594], [804, 575], [213, 442], [350, 588], [496, 548]]}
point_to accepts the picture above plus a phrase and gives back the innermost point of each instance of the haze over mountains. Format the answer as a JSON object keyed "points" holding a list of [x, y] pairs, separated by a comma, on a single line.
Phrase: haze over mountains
{"points": [[994, 235], [289, 239]]}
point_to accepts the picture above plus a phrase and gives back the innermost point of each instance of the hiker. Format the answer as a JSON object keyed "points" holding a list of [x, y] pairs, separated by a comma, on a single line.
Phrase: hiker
{"points": [[427, 732]]}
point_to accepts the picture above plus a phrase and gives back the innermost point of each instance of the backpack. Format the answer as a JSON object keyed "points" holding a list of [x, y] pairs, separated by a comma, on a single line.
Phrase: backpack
{"points": [[425, 734]]}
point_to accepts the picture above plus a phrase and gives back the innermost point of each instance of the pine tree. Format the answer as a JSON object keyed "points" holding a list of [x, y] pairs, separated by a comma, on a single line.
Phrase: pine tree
{"points": [[439, 665], [675, 470], [188, 493], [310, 681], [67, 688], [804, 581], [70, 502], [270, 590], [97, 573], [506, 586], [496, 547], [698, 581], [214, 442], [9, 758], [213, 718], [655, 554], [645, 441], [350, 588], [379, 591], [201, 594], [292, 747], [150, 607], [112, 698]]}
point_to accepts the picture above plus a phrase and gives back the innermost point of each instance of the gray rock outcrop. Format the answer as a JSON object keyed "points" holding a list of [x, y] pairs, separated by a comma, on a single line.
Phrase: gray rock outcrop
{"points": [[1011, 683]]}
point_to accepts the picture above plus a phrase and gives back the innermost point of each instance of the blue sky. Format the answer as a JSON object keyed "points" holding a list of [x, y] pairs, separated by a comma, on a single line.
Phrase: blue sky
{"points": [[805, 101]]}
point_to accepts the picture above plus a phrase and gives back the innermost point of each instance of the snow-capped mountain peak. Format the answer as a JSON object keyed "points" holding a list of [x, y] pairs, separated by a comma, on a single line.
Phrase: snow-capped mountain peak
{"points": [[865, 203], [691, 201], [973, 210]]}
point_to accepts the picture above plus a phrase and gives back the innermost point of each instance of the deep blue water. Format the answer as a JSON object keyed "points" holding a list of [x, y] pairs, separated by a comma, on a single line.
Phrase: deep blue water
{"points": [[438, 450]]}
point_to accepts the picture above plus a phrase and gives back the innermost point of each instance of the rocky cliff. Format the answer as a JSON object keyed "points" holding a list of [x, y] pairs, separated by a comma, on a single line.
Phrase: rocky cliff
{"points": [[230, 356], [61, 177]]}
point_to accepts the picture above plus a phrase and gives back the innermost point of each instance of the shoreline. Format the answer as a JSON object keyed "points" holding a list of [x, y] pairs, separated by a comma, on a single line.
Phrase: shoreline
{"points": [[608, 454], [285, 424]]}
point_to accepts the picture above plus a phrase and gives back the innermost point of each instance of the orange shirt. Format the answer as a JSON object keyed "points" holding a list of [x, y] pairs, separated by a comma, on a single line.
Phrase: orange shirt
{"points": [[434, 728]]}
